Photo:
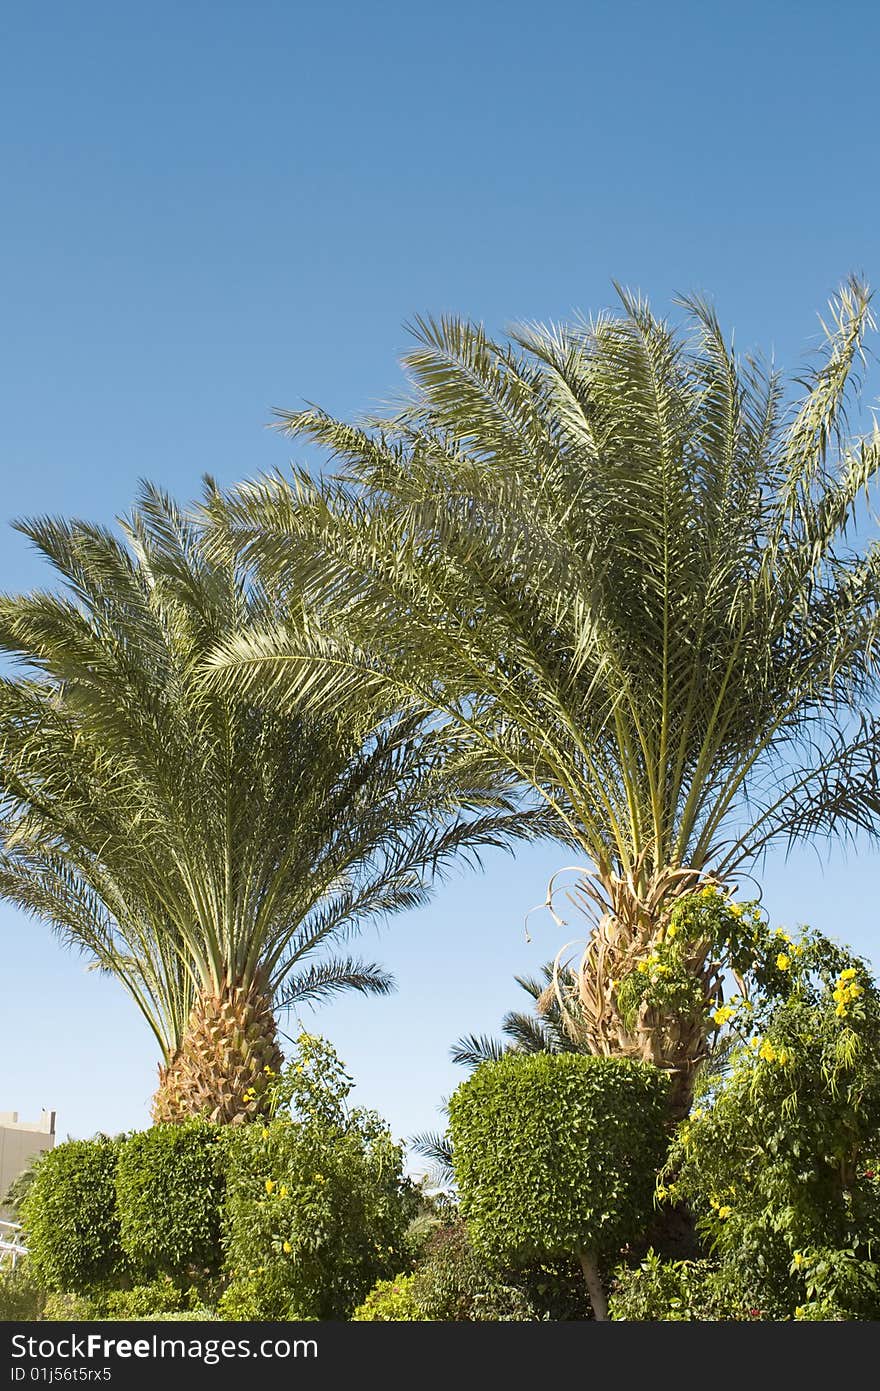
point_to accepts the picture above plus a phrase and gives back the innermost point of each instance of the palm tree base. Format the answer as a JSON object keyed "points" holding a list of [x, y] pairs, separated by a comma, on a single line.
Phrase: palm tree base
{"points": [[226, 1061]]}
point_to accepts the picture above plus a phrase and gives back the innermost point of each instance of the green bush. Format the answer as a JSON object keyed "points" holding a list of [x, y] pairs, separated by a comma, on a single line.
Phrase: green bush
{"points": [[675, 1292], [161, 1296], [776, 1160], [389, 1301], [69, 1217], [64, 1307], [21, 1298], [315, 1214], [451, 1283], [556, 1156], [170, 1185]]}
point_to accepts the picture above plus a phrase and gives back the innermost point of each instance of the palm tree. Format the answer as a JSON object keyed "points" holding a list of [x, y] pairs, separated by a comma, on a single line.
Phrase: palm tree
{"points": [[204, 852], [617, 557]]}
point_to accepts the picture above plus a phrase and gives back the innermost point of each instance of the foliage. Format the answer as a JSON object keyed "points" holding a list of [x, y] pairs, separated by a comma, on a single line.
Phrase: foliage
{"points": [[69, 1217], [613, 555], [22, 1297], [777, 1161], [170, 1185], [676, 1292], [451, 1283], [617, 558], [149, 1301], [14, 1197], [63, 1307], [317, 1205], [188, 842], [389, 1301], [556, 1155]]}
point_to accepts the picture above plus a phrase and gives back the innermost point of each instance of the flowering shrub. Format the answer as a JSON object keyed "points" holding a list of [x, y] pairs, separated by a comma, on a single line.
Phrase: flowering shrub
{"points": [[317, 1206], [775, 1161]]}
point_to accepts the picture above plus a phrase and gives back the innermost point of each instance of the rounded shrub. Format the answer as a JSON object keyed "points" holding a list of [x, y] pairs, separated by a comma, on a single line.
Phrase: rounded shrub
{"points": [[69, 1217], [170, 1185], [557, 1155]]}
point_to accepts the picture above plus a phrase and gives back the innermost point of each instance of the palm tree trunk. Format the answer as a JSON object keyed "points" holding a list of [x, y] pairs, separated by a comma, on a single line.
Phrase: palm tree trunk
{"points": [[225, 1061]]}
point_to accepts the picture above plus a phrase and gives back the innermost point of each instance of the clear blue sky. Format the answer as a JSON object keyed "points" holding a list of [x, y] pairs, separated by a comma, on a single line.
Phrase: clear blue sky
{"points": [[213, 209]]}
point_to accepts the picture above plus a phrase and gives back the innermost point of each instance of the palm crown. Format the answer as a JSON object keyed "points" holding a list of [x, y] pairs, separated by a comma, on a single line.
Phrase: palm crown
{"points": [[204, 851], [615, 556]]}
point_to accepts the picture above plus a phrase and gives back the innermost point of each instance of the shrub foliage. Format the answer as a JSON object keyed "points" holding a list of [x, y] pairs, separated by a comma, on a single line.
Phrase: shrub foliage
{"points": [[69, 1217], [170, 1185], [556, 1155]]}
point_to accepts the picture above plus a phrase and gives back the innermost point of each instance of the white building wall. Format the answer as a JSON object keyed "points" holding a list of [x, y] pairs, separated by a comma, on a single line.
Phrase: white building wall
{"points": [[19, 1142]]}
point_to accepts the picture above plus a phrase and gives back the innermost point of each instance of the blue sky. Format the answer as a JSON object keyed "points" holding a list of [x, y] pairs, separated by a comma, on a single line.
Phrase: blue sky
{"points": [[213, 209]]}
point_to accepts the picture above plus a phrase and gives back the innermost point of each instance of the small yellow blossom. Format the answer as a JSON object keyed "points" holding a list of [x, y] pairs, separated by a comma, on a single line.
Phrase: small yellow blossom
{"points": [[672, 931], [799, 1311], [283, 1191], [319, 1178], [783, 962], [848, 974], [270, 1185], [798, 1259], [287, 1248], [767, 1051], [265, 1132], [722, 1015], [724, 1211]]}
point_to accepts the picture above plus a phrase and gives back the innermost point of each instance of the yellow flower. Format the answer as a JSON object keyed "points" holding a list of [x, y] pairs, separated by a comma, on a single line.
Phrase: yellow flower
{"points": [[725, 1211], [849, 974], [799, 1311], [282, 1191], [265, 1132], [319, 1178], [737, 910], [287, 1248], [661, 1193], [767, 1051], [270, 1185], [672, 931], [798, 1259], [783, 962], [642, 967], [722, 1015]]}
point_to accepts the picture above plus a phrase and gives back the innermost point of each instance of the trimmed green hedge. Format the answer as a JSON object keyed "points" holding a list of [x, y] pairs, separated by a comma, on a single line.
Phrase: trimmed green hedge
{"points": [[557, 1154], [69, 1217], [170, 1186]]}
